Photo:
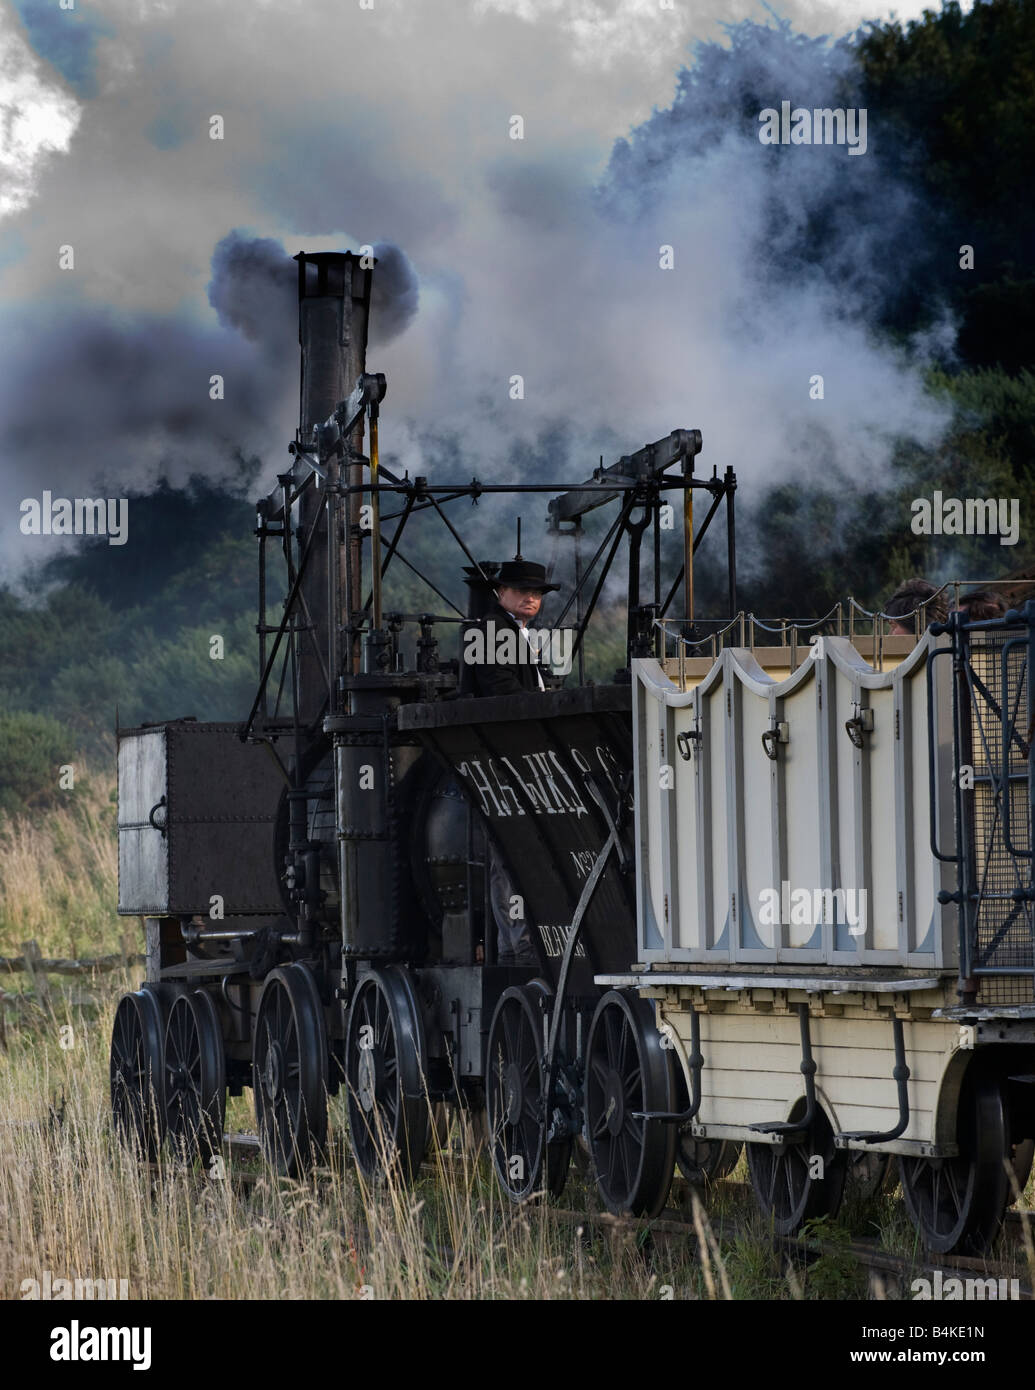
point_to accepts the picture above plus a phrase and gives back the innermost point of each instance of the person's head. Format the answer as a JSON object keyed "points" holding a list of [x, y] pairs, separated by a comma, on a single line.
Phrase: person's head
{"points": [[523, 603], [520, 586], [906, 599], [980, 605]]}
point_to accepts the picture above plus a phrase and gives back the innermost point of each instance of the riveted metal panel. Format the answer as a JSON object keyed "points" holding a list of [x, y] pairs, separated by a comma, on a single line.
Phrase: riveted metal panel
{"points": [[196, 815]]}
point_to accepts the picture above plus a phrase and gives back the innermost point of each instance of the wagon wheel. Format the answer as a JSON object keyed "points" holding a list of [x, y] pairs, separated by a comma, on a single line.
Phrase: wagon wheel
{"points": [[515, 1079], [389, 1113], [195, 1076], [289, 1069], [704, 1161], [867, 1173], [791, 1187], [701, 1161], [628, 1071], [137, 1100], [957, 1204], [1021, 1161]]}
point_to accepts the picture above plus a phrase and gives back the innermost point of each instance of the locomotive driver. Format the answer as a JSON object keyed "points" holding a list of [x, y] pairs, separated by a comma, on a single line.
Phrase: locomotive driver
{"points": [[520, 586], [519, 591]]}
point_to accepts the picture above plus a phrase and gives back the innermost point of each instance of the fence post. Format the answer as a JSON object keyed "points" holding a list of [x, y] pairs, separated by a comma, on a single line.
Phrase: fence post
{"points": [[32, 954]]}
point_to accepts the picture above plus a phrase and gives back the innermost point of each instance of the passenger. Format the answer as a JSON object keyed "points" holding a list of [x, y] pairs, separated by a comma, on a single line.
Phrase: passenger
{"points": [[907, 598], [520, 586], [982, 605]]}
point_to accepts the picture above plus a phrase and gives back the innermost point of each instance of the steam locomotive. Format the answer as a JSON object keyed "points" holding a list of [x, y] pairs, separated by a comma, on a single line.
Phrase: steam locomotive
{"points": [[319, 883]]}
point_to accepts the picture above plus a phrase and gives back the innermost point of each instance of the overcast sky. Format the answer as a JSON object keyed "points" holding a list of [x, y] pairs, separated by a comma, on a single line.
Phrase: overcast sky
{"points": [[346, 125]]}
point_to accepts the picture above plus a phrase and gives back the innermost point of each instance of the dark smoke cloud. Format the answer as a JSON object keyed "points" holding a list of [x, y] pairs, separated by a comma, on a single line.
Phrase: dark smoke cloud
{"points": [[93, 401], [395, 294], [254, 288]]}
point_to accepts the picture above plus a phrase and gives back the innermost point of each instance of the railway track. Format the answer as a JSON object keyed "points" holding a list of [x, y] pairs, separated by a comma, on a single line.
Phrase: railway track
{"points": [[889, 1275]]}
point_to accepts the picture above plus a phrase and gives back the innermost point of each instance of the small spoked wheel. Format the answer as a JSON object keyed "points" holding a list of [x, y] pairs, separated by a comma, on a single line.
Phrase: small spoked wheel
{"points": [[515, 1080], [289, 1070], [389, 1112], [629, 1073], [137, 1098], [866, 1174], [195, 1076], [704, 1161], [798, 1181], [957, 1204]]}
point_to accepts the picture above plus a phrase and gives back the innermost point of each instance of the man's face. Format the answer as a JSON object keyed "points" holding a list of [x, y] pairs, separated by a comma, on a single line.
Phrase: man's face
{"points": [[523, 603]]}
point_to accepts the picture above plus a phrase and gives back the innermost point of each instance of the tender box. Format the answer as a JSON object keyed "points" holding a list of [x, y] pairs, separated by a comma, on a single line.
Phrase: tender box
{"points": [[196, 819]]}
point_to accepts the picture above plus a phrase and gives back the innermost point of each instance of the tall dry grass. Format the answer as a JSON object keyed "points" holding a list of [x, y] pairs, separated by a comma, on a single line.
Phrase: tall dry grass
{"points": [[75, 1203], [59, 874]]}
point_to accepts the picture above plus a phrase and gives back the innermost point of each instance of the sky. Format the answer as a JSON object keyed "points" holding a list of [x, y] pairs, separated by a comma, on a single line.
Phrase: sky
{"points": [[390, 123]]}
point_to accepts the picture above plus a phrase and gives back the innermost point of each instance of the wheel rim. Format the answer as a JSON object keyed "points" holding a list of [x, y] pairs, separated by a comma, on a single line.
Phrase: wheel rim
{"points": [[957, 1203], [136, 1074], [628, 1072], [785, 1178], [515, 1080], [389, 1117], [289, 1070], [195, 1076]]}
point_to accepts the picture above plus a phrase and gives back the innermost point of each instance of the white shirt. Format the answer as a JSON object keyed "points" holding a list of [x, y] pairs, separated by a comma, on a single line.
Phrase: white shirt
{"points": [[523, 628]]}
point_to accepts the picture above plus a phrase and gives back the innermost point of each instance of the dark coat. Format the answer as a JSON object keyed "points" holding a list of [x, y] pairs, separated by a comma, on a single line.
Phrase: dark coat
{"points": [[495, 678]]}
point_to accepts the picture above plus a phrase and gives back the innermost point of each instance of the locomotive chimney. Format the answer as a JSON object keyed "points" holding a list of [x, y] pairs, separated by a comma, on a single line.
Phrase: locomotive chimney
{"points": [[333, 311]]}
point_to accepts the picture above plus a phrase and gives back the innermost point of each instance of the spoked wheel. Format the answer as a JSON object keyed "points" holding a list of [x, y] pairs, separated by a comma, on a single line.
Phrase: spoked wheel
{"points": [[957, 1204], [867, 1173], [289, 1070], [137, 1099], [798, 1181], [629, 1072], [701, 1161], [1021, 1161], [515, 1079], [389, 1115], [704, 1161], [195, 1076]]}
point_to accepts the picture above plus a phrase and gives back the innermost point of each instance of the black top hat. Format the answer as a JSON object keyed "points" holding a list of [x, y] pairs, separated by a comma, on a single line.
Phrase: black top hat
{"points": [[523, 574]]}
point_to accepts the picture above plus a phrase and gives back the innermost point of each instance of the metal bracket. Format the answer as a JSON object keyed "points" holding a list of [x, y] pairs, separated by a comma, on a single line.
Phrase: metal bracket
{"points": [[900, 1074], [808, 1071]]}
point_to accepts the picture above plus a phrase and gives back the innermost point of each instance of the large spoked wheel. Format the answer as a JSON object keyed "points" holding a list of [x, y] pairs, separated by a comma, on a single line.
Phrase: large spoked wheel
{"points": [[389, 1113], [289, 1070], [137, 1098], [629, 1072], [957, 1204], [195, 1076], [515, 1080], [796, 1182]]}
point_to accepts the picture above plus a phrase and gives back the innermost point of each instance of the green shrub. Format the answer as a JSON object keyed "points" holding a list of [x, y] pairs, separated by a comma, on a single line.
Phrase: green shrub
{"points": [[33, 749]]}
